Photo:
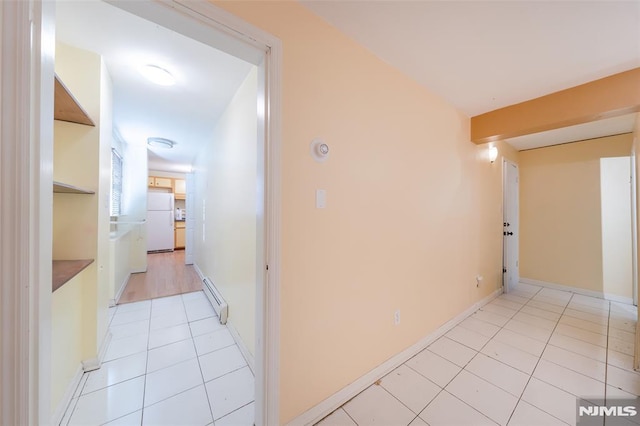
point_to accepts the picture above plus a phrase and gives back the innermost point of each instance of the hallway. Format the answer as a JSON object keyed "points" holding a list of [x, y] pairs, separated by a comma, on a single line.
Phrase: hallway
{"points": [[522, 359], [170, 362]]}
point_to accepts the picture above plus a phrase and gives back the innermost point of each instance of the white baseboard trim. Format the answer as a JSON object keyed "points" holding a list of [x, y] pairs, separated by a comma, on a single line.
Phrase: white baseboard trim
{"points": [[198, 271], [243, 347], [113, 302], [95, 363], [58, 414], [336, 400], [577, 290]]}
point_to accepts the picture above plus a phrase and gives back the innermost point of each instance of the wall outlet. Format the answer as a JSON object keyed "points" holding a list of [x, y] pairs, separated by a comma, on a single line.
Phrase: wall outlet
{"points": [[478, 280], [396, 317]]}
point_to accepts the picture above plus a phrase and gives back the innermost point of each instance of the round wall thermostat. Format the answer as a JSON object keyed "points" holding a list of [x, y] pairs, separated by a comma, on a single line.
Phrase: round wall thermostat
{"points": [[319, 150]]}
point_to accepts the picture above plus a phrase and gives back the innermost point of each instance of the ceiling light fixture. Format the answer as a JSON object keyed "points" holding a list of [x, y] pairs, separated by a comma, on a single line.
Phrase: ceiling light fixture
{"points": [[158, 75], [160, 143], [493, 153]]}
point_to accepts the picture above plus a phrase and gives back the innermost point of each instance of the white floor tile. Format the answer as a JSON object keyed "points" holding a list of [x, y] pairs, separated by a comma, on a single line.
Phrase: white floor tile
{"points": [[116, 371], [581, 334], [194, 295], [164, 336], [542, 313], [418, 422], [507, 303], [556, 294], [410, 388], [598, 319], [519, 293], [623, 335], [613, 392], [550, 300], [130, 329], [631, 310], [499, 310], [505, 377], [172, 380], [480, 327], [377, 406], [245, 416], [126, 346], [230, 392], [213, 341], [590, 301], [434, 367], [133, 419], [620, 360], [337, 418], [603, 312], [576, 362], [169, 319], [623, 324], [109, 403], [189, 408], [515, 298], [509, 355], [447, 410], [520, 341], [584, 324], [453, 351], [168, 355], [489, 399], [545, 306], [528, 288], [528, 415], [204, 326], [535, 321], [621, 346], [128, 317], [529, 330], [628, 381], [569, 381], [199, 309], [579, 346], [220, 362], [468, 338], [490, 317], [554, 401], [166, 302], [168, 310], [144, 305]]}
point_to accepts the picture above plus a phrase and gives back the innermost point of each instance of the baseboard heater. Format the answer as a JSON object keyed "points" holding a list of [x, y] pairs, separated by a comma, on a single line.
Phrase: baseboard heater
{"points": [[219, 305]]}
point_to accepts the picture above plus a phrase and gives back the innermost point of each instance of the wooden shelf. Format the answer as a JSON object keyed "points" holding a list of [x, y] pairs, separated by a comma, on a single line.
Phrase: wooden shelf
{"points": [[63, 188], [64, 270], [67, 108]]}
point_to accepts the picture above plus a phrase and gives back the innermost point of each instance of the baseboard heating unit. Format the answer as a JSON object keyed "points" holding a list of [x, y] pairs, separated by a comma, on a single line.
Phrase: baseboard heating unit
{"points": [[219, 305]]}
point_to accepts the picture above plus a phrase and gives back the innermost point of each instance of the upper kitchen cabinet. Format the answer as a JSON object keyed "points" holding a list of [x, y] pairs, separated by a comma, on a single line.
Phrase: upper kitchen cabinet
{"points": [[180, 189], [160, 182]]}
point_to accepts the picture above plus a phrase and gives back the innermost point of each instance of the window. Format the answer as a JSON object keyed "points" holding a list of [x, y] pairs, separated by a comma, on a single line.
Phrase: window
{"points": [[116, 183]]}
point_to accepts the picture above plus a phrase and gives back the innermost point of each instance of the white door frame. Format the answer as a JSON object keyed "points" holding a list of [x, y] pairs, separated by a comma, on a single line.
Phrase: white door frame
{"points": [[26, 159], [516, 226]]}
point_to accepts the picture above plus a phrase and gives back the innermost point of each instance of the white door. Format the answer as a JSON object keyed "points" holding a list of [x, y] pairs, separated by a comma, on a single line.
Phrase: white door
{"points": [[190, 220], [510, 228]]}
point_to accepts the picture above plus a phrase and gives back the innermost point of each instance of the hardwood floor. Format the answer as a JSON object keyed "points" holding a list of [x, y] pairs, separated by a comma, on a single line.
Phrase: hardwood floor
{"points": [[166, 275]]}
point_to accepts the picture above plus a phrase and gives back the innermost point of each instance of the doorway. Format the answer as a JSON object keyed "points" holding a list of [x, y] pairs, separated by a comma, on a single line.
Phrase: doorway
{"points": [[510, 226], [34, 72]]}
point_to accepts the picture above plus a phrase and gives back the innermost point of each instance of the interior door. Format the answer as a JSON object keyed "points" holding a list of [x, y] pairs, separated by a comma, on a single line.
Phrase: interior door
{"points": [[510, 228]]}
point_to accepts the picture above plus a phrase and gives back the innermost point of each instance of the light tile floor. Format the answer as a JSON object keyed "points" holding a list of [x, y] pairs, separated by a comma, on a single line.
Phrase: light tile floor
{"points": [[170, 362], [522, 359]]}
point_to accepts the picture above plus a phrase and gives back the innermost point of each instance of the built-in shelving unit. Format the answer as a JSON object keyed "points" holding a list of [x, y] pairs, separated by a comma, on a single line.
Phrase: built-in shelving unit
{"points": [[63, 188], [67, 108], [64, 270]]}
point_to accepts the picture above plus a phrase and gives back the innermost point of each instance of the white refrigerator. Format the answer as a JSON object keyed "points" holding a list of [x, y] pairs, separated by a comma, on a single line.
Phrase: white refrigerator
{"points": [[160, 222]]}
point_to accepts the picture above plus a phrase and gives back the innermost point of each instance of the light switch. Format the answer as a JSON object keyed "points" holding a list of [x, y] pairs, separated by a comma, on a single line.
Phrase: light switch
{"points": [[321, 198]]}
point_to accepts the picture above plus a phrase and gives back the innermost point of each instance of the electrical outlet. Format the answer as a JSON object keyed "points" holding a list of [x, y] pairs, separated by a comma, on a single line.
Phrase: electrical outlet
{"points": [[396, 317]]}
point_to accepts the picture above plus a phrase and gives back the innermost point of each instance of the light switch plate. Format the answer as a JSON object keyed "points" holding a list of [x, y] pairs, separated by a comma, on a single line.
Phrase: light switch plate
{"points": [[321, 198]]}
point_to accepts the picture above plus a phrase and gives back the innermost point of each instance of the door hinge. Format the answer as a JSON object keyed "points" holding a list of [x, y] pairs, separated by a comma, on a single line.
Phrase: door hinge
{"points": [[267, 267], [504, 270]]}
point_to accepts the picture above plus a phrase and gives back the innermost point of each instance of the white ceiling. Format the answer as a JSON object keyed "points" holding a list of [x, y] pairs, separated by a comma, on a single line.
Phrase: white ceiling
{"points": [[187, 112], [484, 55]]}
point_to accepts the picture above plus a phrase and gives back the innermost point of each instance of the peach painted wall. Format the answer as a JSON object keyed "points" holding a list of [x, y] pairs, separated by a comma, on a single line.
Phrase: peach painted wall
{"points": [[560, 211], [413, 209]]}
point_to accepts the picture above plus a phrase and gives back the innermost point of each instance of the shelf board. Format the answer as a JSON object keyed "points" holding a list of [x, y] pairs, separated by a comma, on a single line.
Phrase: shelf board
{"points": [[64, 270], [63, 188], [67, 108]]}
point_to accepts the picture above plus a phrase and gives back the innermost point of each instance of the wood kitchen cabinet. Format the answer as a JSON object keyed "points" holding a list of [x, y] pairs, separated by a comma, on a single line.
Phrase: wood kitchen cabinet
{"points": [[160, 182], [179, 235], [180, 189]]}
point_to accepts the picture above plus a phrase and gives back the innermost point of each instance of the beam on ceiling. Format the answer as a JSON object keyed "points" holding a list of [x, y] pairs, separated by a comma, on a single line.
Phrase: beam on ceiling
{"points": [[607, 97]]}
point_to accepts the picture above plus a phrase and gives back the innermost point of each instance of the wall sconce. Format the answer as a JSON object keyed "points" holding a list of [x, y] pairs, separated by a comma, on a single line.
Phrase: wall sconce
{"points": [[493, 153], [319, 150]]}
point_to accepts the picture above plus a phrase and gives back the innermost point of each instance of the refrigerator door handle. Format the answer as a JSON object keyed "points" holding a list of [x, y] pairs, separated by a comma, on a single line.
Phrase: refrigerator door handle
{"points": [[171, 219]]}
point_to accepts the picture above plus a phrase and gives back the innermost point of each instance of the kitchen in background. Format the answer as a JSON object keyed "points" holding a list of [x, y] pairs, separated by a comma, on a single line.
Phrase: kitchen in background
{"points": [[166, 219]]}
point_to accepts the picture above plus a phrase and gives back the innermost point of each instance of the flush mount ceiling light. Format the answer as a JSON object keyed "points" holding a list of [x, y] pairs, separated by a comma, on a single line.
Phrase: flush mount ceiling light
{"points": [[158, 75], [160, 143]]}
